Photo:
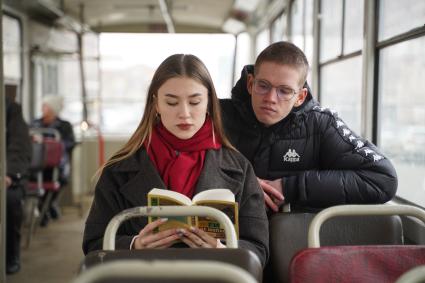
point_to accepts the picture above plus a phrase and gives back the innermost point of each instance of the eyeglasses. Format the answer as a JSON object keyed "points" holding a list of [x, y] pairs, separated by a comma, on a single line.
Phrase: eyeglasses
{"points": [[263, 87]]}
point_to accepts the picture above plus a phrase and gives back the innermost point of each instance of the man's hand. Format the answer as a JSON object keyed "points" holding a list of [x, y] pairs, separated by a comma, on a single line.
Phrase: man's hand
{"points": [[273, 193]]}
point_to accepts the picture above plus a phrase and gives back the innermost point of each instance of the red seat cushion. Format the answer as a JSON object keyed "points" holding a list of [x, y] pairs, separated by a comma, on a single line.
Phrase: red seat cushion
{"points": [[51, 186], [53, 152], [365, 264]]}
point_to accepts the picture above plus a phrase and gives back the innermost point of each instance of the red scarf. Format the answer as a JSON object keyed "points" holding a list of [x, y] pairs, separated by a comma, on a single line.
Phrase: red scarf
{"points": [[180, 162]]}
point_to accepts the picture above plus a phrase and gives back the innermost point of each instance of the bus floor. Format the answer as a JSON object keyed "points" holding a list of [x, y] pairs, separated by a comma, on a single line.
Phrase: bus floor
{"points": [[55, 252]]}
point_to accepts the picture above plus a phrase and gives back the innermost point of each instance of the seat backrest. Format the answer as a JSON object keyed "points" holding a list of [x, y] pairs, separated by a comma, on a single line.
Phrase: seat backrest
{"points": [[241, 258], [37, 159], [288, 235], [161, 271], [365, 264], [53, 151]]}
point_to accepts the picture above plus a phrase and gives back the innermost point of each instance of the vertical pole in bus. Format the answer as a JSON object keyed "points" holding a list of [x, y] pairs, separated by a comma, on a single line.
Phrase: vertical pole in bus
{"points": [[85, 122], [80, 36], [2, 160]]}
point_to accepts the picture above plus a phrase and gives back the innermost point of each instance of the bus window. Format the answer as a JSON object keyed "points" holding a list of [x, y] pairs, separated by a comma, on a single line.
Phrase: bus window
{"points": [[12, 56]]}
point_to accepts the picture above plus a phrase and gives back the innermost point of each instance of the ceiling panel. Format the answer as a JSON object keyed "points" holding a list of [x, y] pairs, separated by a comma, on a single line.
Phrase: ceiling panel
{"points": [[210, 13], [146, 16]]}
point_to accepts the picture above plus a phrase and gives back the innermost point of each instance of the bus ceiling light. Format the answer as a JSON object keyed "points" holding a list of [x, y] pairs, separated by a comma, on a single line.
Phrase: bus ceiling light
{"points": [[84, 126], [248, 6], [233, 26]]}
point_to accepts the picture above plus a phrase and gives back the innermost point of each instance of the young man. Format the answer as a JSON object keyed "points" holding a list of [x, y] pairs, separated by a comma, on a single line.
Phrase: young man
{"points": [[302, 153]]}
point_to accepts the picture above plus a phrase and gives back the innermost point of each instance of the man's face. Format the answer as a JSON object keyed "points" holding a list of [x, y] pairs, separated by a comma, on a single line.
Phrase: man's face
{"points": [[274, 91]]}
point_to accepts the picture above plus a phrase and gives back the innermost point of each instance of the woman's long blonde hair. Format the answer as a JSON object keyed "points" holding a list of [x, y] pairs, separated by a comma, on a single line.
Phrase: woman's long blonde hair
{"points": [[178, 65]]}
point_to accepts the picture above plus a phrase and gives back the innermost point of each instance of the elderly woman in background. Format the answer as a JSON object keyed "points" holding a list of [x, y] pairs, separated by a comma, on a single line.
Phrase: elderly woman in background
{"points": [[51, 108]]}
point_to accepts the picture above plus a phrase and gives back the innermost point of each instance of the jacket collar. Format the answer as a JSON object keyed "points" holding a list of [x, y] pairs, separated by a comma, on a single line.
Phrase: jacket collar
{"points": [[143, 176]]}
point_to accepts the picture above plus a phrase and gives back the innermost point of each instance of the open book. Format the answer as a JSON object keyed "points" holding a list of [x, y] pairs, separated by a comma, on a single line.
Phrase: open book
{"points": [[221, 199]]}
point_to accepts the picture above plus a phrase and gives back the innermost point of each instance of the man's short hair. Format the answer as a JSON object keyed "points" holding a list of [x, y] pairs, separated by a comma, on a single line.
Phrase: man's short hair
{"points": [[284, 53]]}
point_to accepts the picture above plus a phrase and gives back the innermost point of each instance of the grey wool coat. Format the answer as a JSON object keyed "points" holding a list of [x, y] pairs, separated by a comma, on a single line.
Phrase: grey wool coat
{"points": [[126, 183]]}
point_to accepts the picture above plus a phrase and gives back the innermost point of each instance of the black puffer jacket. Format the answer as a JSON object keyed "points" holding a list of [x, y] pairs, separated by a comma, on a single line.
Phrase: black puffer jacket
{"points": [[320, 160]]}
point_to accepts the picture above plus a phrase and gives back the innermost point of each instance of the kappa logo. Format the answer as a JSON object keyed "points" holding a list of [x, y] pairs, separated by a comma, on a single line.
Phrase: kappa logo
{"points": [[291, 156]]}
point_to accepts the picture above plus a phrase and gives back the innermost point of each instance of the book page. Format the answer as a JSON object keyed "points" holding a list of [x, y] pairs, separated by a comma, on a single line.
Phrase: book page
{"points": [[170, 195], [215, 194]]}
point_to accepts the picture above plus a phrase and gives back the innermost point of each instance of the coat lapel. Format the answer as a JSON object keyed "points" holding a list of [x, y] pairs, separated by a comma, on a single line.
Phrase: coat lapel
{"points": [[143, 177], [219, 174]]}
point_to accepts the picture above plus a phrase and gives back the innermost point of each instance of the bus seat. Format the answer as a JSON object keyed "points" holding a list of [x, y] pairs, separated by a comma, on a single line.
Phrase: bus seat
{"points": [[288, 235], [36, 165], [52, 158], [34, 190], [161, 271], [47, 154], [53, 150], [241, 258], [357, 263], [47, 150], [363, 264]]}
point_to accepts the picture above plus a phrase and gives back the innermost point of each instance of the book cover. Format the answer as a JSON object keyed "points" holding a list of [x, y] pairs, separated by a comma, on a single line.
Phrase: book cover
{"points": [[221, 199]]}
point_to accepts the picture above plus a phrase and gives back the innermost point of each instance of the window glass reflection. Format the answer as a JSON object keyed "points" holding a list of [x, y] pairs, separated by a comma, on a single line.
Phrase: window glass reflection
{"points": [[308, 48], [243, 54], [297, 23], [340, 90], [127, 71], [11, 48], [330, 29], [91, 45], [402, 115], [353, 33], [278, 28], [397, 17], [262, 40]]}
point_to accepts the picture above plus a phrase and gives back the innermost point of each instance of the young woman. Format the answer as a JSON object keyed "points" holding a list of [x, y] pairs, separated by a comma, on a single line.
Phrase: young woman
{"points": [[178, 145]]}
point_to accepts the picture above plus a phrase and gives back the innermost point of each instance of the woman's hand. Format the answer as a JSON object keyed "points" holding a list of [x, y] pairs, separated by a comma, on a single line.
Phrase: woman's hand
{"points": [[196, 238], [148, 239]]}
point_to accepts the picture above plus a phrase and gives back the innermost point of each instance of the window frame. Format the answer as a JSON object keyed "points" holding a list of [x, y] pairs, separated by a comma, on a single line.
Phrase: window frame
{"points": [[378, 46]]}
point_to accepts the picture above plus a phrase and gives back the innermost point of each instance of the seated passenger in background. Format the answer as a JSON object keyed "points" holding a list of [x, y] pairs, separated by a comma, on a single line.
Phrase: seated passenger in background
{"points": [[302, 153], [51, 107], [179, 145], [18, 158]]}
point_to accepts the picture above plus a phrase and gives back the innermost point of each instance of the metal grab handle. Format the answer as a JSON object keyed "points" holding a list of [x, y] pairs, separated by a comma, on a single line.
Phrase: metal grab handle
{"points": [[167, 269], [46, 131], [414, 275], [223, 219], [352, 210]]}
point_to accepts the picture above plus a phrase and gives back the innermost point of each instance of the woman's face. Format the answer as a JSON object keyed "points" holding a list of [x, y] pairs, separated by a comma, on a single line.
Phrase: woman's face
{"points": [[182, 105]]}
